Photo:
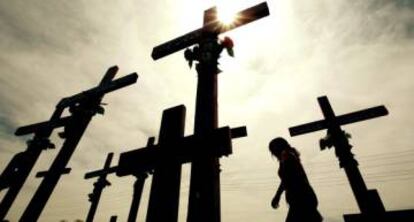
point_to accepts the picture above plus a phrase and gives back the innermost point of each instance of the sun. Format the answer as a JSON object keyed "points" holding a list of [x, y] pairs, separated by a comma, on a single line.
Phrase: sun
{"points": [[226, 13]]}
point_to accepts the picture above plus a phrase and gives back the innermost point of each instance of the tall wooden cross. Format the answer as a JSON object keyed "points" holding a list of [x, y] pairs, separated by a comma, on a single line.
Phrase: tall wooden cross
{"points": [[204, 200], [83, 107], [165, 158], [166, 175], [18, 169], [99, 185], [369, 201]]}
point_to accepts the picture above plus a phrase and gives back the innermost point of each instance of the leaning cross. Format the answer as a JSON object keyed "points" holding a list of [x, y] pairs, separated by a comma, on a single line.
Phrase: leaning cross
{"points": [[83, 107], [204, 201], [369, 201], [99, 185], [18, 169]]}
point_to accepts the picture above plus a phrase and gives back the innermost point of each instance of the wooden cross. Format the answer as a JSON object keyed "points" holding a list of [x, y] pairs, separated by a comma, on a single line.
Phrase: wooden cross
{"points": [[166, 175], [99, 185], [211, 26], [369, 202], [164, 161], [83, 107], [204, 200], [18, 169]]}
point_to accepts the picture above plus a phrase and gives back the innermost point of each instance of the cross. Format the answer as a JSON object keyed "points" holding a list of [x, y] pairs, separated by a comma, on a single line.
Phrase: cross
{"points": [[166, 175], [204, 200], [369, 201], [99, 185], [138, 187], [165, 158], [82, 106], [18, 169]]}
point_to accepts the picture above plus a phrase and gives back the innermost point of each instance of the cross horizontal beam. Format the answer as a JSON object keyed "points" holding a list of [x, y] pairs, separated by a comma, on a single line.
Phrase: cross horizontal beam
{"points": [[353, 117], [244, 17], [107, 169], [68, 101], [217, 143], [99, 173], [101, 89], [37, 127], [45, 173]]}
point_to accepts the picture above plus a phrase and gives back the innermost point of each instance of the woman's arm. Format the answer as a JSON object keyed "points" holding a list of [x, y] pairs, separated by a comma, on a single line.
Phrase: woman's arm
{"points": [[276, 198]]}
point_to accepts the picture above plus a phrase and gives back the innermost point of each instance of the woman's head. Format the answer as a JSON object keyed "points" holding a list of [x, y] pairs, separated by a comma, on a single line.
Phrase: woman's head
{"points": [[277, 145]]}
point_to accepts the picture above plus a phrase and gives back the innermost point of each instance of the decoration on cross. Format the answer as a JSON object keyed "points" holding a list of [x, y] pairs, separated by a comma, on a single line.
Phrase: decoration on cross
{"points": [[210, 53], [327, 141]]}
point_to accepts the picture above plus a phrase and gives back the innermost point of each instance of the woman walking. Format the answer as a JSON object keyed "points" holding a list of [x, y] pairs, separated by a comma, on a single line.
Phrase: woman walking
{"points": [[299, 194]]}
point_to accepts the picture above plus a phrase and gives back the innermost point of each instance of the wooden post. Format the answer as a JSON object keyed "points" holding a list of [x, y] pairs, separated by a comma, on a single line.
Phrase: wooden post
{"points": [[166, 179]]}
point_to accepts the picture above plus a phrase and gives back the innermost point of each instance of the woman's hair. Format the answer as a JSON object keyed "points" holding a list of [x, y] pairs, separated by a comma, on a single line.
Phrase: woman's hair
{"points": [[277, 145]]}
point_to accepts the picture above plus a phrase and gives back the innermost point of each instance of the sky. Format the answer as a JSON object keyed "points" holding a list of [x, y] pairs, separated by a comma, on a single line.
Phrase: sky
{"points": [[358, 53]]}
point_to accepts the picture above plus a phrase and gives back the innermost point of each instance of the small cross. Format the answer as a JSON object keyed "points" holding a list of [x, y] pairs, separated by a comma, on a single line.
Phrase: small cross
{"points": [[99, 185]]}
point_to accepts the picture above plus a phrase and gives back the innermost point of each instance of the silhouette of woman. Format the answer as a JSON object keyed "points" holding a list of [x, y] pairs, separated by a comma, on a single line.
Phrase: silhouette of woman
{"points": [[299, 194]]}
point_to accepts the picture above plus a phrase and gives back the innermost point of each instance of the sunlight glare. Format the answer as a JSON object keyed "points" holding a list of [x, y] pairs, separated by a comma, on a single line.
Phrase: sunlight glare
{"points": [[226, 13]]}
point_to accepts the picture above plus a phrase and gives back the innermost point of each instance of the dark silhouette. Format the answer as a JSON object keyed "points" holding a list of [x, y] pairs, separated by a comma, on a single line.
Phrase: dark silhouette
{"points": [[83, 107], [164, 161], [19, 167], [299, 193], [369, 201], [166, 179], [113, 218], [204, 200], [98, 186], [136, 196]]}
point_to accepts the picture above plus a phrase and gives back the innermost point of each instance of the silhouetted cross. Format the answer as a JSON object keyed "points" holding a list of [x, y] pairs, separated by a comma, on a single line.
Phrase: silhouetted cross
{"points": [[204, 200], [99, 185], [82, 106], [164, 161], [369, 202]]}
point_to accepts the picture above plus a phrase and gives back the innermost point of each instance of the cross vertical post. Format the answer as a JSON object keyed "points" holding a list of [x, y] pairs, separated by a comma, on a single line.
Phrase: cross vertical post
{"points": [[166, 178], [140, 178], [83, 107], [136, 196], [204, 200]]}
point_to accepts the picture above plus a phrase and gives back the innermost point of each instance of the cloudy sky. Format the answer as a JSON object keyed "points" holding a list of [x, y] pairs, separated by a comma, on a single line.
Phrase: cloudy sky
{"points": [[358, 53]]}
